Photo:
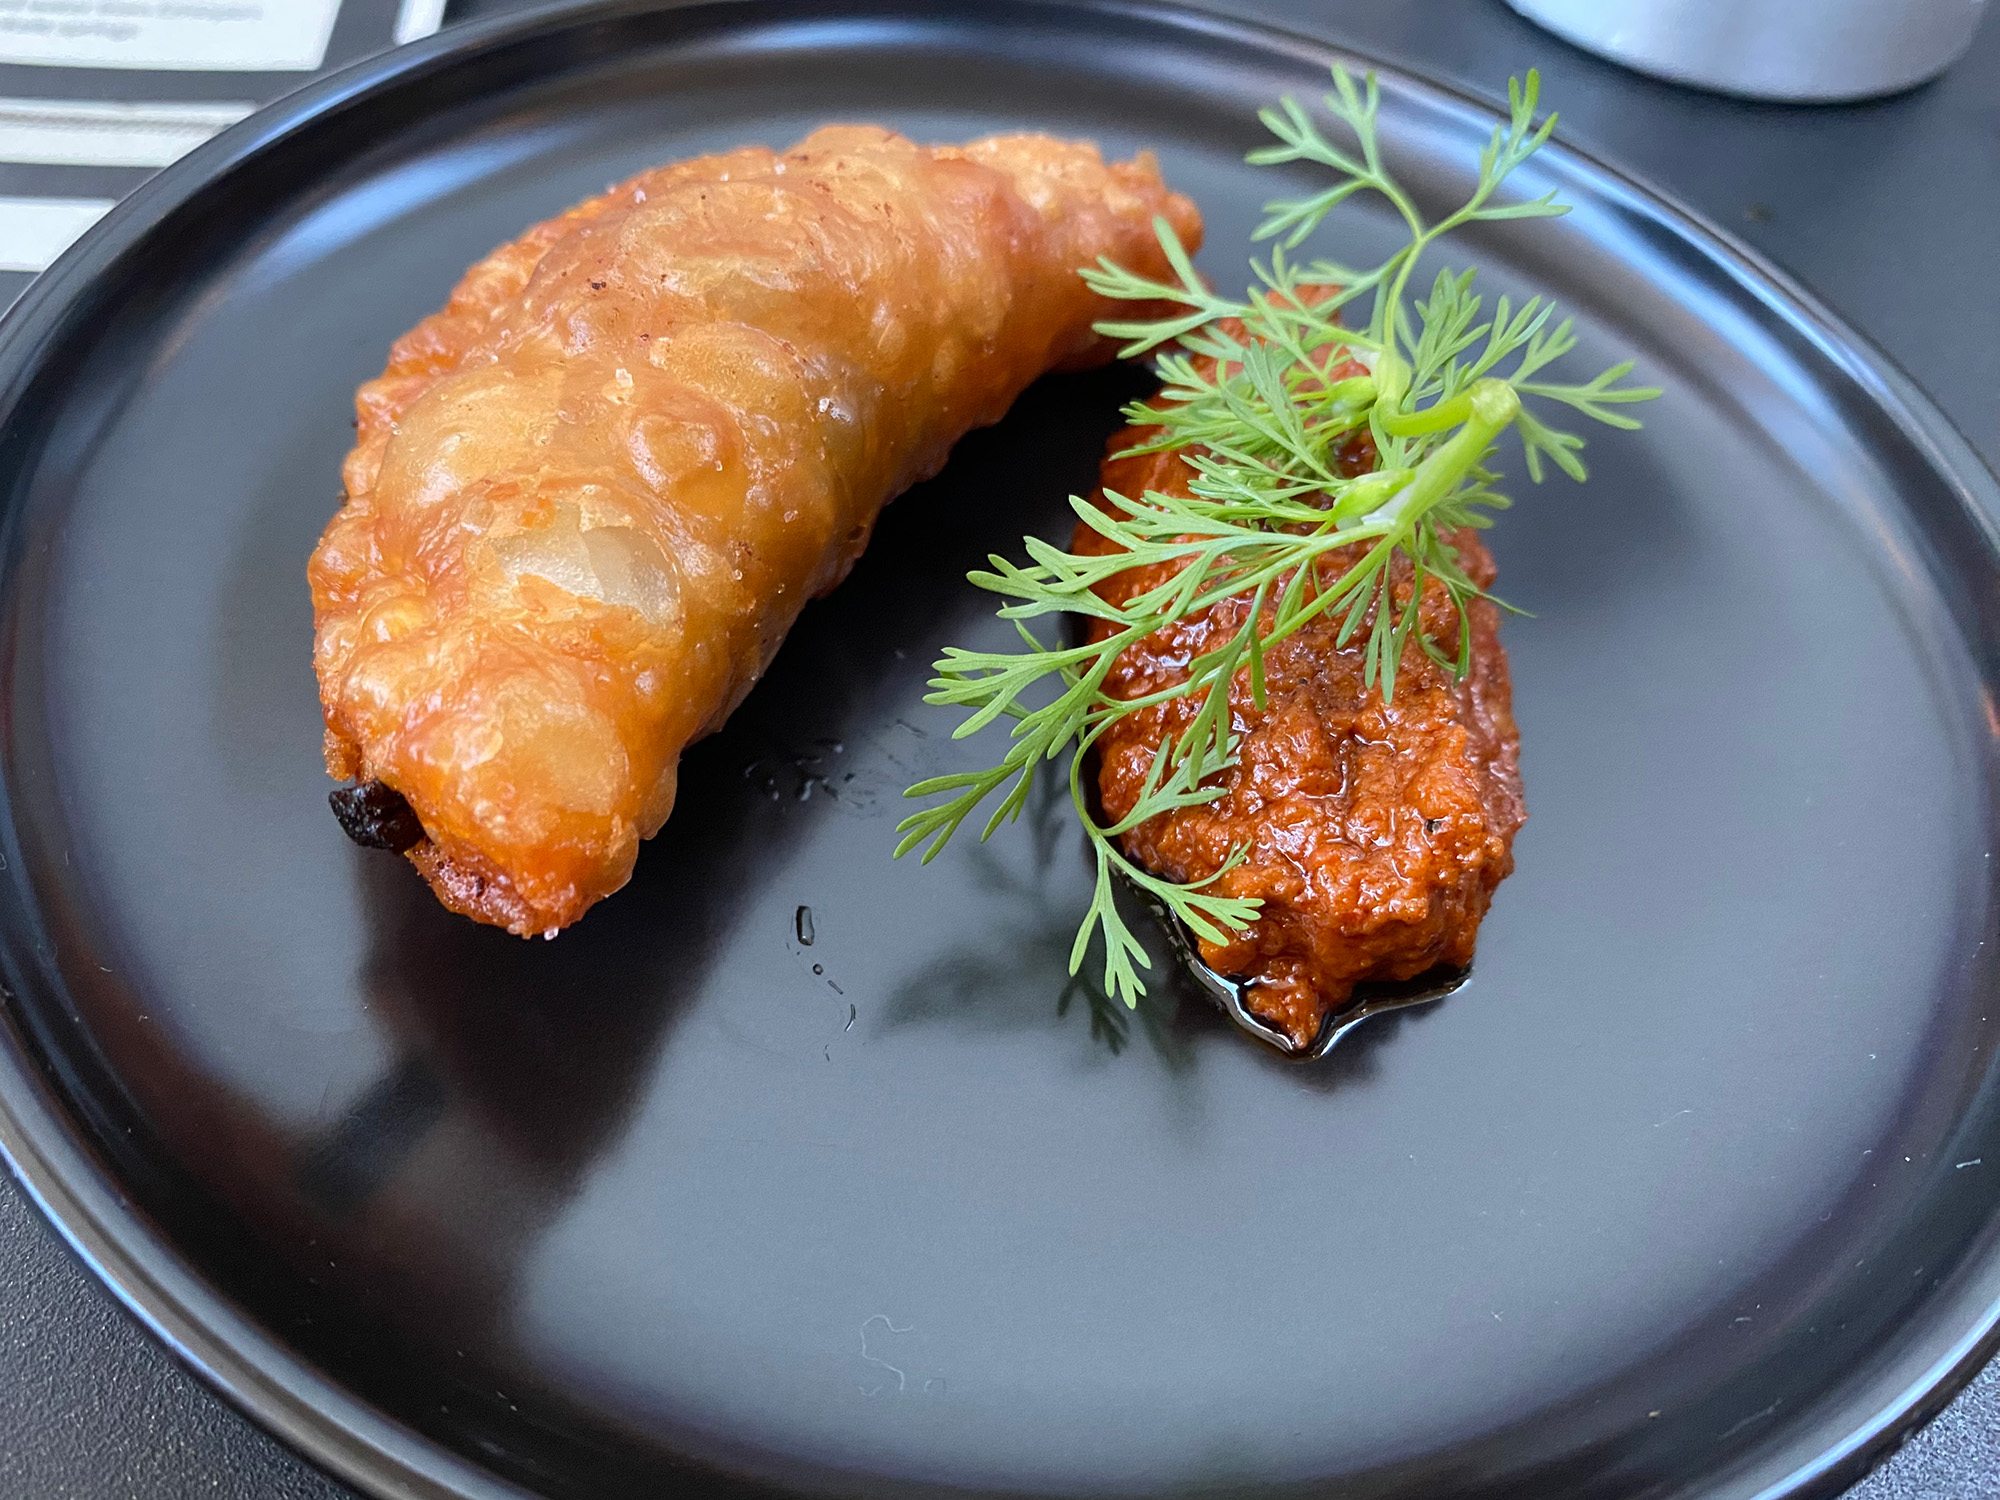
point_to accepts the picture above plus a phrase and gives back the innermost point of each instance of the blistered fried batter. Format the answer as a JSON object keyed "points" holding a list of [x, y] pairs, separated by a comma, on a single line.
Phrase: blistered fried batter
{"points": [[590, 496]]}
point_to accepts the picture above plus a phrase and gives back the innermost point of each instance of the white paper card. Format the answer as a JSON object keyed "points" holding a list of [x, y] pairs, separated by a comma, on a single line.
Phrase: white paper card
{"points": [[417, 19], [220, 35], [34, 231], [94, 133]]}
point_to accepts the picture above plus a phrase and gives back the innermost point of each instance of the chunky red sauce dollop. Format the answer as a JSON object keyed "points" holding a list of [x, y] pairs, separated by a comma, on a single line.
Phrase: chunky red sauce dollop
{"points": [[1376, 832]]}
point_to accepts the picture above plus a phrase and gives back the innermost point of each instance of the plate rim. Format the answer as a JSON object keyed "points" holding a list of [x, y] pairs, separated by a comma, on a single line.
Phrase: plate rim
{"points": [[266, 1379]]}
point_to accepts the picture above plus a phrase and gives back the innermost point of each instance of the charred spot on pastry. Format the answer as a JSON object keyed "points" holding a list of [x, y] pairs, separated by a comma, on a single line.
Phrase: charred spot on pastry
{"points": [[375, 816]]}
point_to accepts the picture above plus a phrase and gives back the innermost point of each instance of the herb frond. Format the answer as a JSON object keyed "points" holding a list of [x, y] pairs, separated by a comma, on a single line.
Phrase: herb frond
{"points": [[1268, 397]]}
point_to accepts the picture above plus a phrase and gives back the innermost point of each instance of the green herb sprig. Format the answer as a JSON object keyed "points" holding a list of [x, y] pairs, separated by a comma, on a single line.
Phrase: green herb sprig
{"points": [[1264, 428]]}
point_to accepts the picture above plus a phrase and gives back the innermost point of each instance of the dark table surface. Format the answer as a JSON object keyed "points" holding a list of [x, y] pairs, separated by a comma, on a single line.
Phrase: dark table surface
{"points": [[1889, 211]]}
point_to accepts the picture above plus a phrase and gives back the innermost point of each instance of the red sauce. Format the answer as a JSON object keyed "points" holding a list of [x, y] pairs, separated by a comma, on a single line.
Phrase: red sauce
{"points": [[1376, 833]]}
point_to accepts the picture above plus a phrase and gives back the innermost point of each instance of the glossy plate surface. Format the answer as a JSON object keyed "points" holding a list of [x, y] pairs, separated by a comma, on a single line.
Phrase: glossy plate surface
{"points": [[1690, 1191]]}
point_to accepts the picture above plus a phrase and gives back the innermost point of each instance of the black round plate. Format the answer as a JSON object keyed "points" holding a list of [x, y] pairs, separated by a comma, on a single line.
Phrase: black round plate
{"points": [[1691, 1191]]}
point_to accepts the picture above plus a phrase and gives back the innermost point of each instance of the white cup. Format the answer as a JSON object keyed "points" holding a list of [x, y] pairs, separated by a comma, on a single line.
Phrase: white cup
{"points": [[1822, 50]]}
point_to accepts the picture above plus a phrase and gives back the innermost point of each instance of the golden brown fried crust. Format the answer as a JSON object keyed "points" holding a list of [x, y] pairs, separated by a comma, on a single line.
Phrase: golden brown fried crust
{"points": [[1376, 833], [590, 496]]}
